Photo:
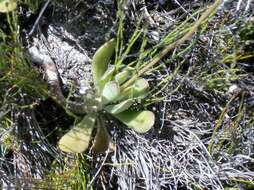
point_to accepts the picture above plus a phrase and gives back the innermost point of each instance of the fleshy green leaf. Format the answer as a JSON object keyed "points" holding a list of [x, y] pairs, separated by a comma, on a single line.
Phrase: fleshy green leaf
{"points": [[118, 108], [101, 61], [7, 5], [78, 138], [110, 92], [107, 76], [102, 138], [138, 90], [139, 121], [122, 76]]}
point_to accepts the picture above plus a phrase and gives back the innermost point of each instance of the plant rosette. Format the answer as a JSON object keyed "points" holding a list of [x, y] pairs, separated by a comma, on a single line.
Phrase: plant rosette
{"points": [[109, 97], [7, 5]]}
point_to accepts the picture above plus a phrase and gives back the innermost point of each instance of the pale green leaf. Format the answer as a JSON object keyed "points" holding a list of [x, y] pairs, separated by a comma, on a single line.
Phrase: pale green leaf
{"points": [[101, 61], [122, 76], [78, 138], [110, 92], [7, 5], [138, 90], [118, 108], [139, 121], [107, 76], [102, 138]]}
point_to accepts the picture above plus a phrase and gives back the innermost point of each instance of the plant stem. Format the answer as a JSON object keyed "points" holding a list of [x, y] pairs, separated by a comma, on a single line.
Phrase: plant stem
{"points": [[170, 47]]}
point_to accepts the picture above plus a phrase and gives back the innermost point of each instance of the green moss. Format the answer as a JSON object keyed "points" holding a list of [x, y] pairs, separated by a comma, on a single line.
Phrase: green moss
{"points": [[70, 174], [247, 31]]}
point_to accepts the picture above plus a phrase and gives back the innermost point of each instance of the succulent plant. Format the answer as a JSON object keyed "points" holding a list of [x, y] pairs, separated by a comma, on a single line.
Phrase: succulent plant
{"points": [[111, 98], [7, 6]]}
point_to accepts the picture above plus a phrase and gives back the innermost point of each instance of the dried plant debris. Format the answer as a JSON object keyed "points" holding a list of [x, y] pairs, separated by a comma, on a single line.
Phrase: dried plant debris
{"points": [[202, 98], [89, 21], [25, 152], [59, 48], [164, 163]]}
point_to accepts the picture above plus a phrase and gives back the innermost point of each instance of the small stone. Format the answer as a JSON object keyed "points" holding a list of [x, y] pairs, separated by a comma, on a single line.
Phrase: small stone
{"points": [[233, 89], [155, 35], [83, 89]]}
